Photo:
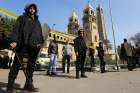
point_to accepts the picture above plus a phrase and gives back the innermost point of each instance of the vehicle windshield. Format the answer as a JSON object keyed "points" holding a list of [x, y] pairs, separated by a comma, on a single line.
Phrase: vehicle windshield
{"points": [[43, 55]]}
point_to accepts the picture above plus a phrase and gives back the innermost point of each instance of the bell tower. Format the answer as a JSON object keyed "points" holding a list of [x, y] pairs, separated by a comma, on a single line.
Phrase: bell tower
{"points": [[101, 26], [73, 25], [90, 26]]}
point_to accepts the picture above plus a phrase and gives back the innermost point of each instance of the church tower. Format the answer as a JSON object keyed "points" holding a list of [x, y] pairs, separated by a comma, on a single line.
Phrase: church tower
{"points": [[90, 26], [101, 26], [73, 25]]}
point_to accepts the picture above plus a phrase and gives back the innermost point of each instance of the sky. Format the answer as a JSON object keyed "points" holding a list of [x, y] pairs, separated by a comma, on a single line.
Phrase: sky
{"points": [[125, 13]]}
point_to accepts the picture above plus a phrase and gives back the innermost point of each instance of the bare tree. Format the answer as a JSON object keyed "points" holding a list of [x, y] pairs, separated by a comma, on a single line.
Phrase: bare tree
{"points": [[136, 38]]}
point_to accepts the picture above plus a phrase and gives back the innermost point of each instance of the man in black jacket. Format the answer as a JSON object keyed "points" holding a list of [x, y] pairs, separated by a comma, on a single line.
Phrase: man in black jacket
{"points": [[91, 55], [80, 51], [27, 39], [101, 55]]}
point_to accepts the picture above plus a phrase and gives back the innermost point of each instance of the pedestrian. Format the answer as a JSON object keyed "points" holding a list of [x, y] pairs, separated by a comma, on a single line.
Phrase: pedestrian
{"points": [[53, 53], [123, 56], [67, 54], [91, 55], [27, 39], [80, 51], [101, 55], [129, 54], [136, 56]]}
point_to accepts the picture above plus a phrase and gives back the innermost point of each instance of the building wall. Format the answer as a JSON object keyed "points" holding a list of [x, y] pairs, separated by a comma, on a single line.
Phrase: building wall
{"points": [[90, 28], [62, 38], [101, 26]]}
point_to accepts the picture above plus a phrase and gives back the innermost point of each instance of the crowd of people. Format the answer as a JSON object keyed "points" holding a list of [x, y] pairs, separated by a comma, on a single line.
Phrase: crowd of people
{"points": [[129, 54], [81, 52]]}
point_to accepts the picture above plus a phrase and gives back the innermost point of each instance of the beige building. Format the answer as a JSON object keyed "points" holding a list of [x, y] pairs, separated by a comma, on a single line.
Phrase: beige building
{"points": [[90, 26], [101, 26], [73, 24], [93, 27], [61, 38]]}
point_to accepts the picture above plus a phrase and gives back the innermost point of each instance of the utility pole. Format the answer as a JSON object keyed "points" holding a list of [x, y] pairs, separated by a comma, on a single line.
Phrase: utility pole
{"points": [[113, 31]]}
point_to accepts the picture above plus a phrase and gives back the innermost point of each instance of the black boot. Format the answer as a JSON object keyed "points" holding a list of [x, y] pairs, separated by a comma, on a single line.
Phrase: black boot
{"points": [[30, 87], [10, 88], [77, 75], [10, 91], [68, 70], [48, 73], [83, 75]]}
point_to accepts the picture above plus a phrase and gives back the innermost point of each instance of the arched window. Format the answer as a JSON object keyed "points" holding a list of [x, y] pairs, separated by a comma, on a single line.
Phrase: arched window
{"points": [[57, 37], [50, 34], [54, 36], [95, 38]]}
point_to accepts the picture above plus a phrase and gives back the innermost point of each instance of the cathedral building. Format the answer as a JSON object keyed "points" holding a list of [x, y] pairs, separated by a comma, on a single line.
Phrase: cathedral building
{"points": [[93, 25]]}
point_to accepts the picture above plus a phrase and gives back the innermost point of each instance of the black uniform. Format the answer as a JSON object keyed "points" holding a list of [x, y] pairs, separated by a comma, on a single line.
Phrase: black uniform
{"points": [[91, 55], [101, 58], [81, 48], [28, 34]]}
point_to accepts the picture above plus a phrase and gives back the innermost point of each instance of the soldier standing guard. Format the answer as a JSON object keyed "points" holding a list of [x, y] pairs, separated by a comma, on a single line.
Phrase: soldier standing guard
{"points": [[80, 51], [27, 38], [101, 57]]}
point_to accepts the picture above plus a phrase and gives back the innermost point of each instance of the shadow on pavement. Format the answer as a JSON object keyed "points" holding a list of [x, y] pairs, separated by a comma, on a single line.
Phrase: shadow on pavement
{"points": [[4, 85], [63, 76]]}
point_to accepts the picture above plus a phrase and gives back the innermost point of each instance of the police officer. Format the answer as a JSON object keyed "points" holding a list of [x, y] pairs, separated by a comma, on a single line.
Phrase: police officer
{"points": [[91, 55], [27, 38], [100, 50], [80, 51]]}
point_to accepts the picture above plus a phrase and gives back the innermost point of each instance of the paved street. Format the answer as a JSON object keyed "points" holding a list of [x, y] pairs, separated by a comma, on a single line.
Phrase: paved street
{"points": [[110, 82]]}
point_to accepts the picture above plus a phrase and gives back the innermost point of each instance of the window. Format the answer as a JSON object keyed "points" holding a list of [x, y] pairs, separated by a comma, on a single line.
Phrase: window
{"points": [[57, 37], [95, 38], [50, 34], [61, 38], [92, 12], [86, 12], [53, 35]]}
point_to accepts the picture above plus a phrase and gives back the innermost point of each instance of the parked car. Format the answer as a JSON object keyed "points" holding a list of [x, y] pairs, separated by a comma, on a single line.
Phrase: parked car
{"points": [[42, 61]]}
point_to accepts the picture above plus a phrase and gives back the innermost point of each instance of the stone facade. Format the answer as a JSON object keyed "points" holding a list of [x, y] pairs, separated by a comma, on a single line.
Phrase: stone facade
{"points": [[90, 26], [101, 26], [73, 24]]}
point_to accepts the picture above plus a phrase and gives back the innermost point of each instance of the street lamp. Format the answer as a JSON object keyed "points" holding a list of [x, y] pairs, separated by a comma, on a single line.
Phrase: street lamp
{"points": [[53, 26], [113, 31]]}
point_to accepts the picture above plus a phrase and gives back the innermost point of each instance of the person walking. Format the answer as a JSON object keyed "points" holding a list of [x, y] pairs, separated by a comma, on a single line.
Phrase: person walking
{"points": [[136, 56], [129, 54], [27, 39], [80, 51], [53, 53], [91, 55], [101, 55], [67, 54]]}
